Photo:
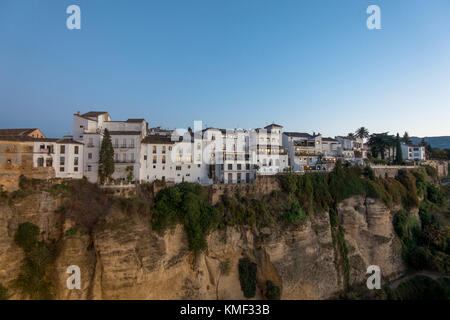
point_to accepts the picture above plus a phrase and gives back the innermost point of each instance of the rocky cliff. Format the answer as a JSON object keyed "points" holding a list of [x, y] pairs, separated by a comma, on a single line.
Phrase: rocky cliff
{"points": [[122, 258]]}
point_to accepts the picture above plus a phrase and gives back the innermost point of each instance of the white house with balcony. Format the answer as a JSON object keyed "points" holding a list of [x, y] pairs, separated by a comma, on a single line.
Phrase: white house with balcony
{"points": [[267, 150], [126, 138], [64, 155], [304, 150], [351, 149]]}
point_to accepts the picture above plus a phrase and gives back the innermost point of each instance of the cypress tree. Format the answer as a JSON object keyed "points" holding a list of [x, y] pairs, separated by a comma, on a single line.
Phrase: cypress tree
{"points": [[106, 158], [399, 154]]}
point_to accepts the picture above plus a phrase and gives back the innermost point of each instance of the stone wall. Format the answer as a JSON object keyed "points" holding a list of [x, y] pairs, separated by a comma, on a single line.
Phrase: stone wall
{"points": [[390, 171], [260, 186], [16, 158], [440, 165]]}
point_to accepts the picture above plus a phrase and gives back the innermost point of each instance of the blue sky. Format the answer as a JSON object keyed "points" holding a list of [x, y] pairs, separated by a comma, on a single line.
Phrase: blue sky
{"points": [[308, 65]]}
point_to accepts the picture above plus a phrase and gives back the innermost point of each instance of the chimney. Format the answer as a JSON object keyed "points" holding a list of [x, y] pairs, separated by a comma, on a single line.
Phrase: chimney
{"points": [[78, 113]]}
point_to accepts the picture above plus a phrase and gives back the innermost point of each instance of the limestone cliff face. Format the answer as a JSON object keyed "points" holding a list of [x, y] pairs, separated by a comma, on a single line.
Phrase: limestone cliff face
{"points": [[370, 238], [122, 258]]}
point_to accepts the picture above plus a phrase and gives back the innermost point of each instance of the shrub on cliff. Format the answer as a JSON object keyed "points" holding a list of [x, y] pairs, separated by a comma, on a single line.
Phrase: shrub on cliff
{"points": [[408, 180], [420, 288], [186, 204], [247, 277], [26, 236], [32, 280], [272, 291], [4, 295]]}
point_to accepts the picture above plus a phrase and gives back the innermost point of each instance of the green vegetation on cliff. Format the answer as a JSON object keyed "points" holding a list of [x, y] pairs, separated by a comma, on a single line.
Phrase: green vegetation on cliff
{"points": [[186, 204], [247, 277], [4, 295], [33, 281]]}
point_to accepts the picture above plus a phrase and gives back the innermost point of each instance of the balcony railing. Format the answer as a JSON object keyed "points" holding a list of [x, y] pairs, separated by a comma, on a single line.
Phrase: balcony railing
{"points": [[124, 161]]}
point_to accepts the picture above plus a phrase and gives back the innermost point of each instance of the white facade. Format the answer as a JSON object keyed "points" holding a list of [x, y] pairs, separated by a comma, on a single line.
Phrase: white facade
{"points": [[267, 151], [126, 138], [351, 149], [413, 153], [171, 159], [64, 155], [304, 150]]}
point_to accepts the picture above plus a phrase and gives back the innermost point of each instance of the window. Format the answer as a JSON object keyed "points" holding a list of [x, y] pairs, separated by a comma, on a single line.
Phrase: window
{"points": [[49, 162], [188, 159], [91, 142], [89, 155], [132, 143], [75, 169], [75, 161], [62, 160], [178, 159], [116, 143], [163, 149], [89, 168], [198, 146], [199, 165], [178, 168], [132, 157], [239, 166], [154, 149], [154, 159], [124, 157], [247, 166], [170, 148], [76, 149], [62, 149], [40, 162], [163, 159], [145, 157], [61, 169], [116, 157], [230, 166]]}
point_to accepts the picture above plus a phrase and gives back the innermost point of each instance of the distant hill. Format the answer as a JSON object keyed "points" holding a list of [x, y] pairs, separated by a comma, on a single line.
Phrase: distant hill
{"points": [[435, 142]]}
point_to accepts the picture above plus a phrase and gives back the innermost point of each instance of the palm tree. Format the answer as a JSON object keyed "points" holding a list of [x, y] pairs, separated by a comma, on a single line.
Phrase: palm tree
{"points": [[379, 143], [351, 135], [362, 133]]}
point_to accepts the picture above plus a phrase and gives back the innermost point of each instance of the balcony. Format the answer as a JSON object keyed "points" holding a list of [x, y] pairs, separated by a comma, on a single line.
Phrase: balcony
{"points": [[124, 161]]}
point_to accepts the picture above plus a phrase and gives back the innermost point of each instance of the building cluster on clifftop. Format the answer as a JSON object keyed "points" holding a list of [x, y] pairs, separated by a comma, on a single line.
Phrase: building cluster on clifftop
{"points": [[206, 156]]}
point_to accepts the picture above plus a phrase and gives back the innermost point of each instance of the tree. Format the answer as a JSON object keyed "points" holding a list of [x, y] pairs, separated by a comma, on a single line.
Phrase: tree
{"points": [[106, 158], [399, 153], [362, 133], [379, 143], [406, 138], [427, 146], [351, 135]]}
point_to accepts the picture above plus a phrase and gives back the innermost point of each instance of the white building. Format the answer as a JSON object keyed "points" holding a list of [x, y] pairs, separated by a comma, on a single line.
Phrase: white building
{"points": [[171, 159], [267, 151], [64, 155], [304, 150], [126, 138], [351, 149], [413, 153]]}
